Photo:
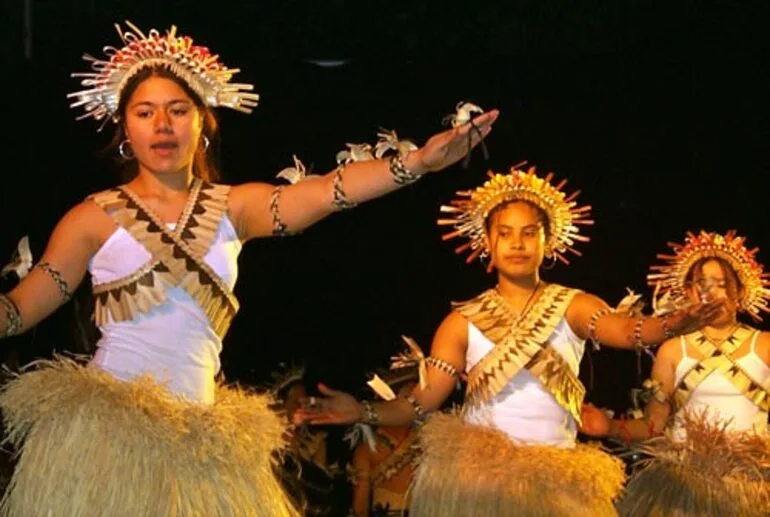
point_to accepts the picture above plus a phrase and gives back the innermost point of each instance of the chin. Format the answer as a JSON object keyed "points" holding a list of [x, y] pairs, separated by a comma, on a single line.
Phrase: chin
{"points": [[165, 169], [518, 272]]}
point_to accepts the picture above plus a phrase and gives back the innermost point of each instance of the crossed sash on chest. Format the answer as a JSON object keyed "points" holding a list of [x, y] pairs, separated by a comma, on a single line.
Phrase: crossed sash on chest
{"points": [[720, 357], [521, 343], [176, 257]]}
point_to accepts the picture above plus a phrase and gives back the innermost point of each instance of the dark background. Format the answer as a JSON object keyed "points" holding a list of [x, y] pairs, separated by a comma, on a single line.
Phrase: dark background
{"points": [[657, 111]]}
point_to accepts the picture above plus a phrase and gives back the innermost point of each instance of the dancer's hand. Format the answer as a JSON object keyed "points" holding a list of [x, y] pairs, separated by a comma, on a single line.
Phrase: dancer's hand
{"points": [[595, 421], [694, 317], [449, 147], [335, 407]]}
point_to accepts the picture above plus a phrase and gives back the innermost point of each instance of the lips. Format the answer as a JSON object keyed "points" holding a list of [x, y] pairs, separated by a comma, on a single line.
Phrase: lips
{"points": [[165, 145], [165, 149]]}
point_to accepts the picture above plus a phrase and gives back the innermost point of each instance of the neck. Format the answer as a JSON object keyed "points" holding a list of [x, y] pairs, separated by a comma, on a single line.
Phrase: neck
{"points": [[163, 185], [517, 287], [722, 326]]}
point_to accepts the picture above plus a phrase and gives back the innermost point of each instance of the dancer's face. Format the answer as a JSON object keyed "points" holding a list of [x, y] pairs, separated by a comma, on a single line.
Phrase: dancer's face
{"points": [[711, 280], [516, 240], [163, 125]]}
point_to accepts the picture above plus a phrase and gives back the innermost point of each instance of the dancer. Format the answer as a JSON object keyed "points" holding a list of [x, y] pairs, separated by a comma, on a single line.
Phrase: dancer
{"points": [[521, 344], [708, 391], [144, 430]]}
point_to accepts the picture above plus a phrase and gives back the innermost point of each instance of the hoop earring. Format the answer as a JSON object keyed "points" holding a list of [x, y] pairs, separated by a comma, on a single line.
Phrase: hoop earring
{"points": [[122, 150], [552, 264], [205, 143]]}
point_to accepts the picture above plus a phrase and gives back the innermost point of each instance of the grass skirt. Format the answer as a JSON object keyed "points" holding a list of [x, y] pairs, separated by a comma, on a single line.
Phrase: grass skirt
{"points": [[711, 473], [468, 469], [90, 444]]}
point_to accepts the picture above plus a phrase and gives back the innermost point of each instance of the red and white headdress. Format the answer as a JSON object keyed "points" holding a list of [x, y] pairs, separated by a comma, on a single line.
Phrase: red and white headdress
{"points": [[670, 278], [194, 64]]}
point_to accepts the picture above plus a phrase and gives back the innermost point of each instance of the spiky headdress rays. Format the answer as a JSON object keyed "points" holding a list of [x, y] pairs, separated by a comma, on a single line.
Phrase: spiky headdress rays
{"points": [[470, 210], [194, 64], [671, 277]]}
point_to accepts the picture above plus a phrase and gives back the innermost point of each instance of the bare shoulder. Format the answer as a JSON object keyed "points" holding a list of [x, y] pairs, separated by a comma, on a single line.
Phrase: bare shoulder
{"points": [[87, 223], [455, 324], [584, 300], [582, 307], [763, 347], [248, 192], [670, 350]]}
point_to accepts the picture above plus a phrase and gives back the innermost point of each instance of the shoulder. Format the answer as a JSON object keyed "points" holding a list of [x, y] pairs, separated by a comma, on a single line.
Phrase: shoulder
{"points": [[241, 197], [86, 225], [86, 215], [763, 339], [584, 299], [763, 346], [670, 350], [454, 320], [584, 305], [244, 191]]}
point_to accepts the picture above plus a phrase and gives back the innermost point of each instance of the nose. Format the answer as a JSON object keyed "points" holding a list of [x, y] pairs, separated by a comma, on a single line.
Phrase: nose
{"points": [[162, 122], [517, 242]]}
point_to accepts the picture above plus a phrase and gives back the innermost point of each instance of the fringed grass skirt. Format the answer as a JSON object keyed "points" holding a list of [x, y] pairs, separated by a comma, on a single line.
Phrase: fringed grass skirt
{"points": [[710, 473], [91, 445], [468, 470]]}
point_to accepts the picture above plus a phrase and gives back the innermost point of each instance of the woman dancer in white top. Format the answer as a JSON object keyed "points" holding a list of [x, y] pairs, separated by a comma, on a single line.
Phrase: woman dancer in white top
{"points": [[162, 251], [708, 391], [520, 344]]}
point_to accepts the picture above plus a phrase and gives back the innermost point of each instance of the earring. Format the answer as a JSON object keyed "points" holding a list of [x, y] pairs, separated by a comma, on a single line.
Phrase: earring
{"points": [[205, 143], [122, 150], [550, 266]]}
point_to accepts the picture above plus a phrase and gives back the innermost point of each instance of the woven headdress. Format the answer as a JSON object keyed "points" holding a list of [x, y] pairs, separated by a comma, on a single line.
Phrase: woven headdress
{"points": [[670, 278], [193, 64], [471, 209]]}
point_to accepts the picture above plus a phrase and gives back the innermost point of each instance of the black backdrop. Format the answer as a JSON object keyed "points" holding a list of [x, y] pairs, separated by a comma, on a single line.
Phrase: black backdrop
{"points": [[658, 114]]}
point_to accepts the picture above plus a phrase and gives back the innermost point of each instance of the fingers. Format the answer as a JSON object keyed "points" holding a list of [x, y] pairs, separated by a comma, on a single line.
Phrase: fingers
{"points": [[305, 415], [709, 309], [482, 122], [313, 417], [325, 390], [487, 118]]}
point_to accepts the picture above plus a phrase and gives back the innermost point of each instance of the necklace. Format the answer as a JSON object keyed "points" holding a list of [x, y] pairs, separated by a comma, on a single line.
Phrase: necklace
{"points": [[520, 316], [719, 341]]}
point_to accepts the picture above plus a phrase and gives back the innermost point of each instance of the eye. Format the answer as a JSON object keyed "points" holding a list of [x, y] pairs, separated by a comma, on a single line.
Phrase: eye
{"points": [[179, 112], [144, 113]]}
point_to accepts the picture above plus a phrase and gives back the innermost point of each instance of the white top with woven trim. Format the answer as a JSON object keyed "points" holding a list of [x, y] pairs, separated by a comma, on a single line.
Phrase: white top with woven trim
{"points": [[173, 342], [525, 410], [720, 399]]}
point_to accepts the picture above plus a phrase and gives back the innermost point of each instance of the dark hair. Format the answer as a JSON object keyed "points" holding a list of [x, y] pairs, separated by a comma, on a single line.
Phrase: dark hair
{"points": [[283, 393], [204, 162], [542, 216], [734, 285]]}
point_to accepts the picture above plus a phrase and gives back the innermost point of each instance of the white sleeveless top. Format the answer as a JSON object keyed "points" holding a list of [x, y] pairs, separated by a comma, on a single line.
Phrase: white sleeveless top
{"points": [[174, 341], [524, 410], [720, 399]]}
